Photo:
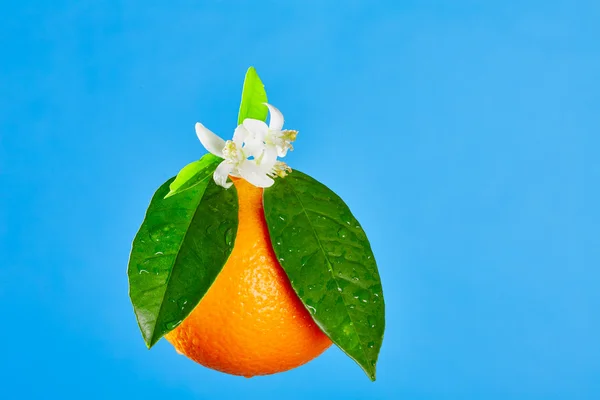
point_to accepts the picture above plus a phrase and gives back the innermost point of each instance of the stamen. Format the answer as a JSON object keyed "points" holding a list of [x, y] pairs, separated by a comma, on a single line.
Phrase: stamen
{"points": [[230, 150], [289, 135], [280, 169]]}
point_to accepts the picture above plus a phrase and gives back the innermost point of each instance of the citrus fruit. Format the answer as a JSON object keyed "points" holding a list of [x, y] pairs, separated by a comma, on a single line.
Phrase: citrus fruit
{"points": [[250, 322]]}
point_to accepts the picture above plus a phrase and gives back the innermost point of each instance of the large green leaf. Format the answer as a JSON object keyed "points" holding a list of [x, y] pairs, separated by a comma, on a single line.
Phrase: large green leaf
{"points": [[194, 173], [326, 254], [178, 252], [253, 97]]}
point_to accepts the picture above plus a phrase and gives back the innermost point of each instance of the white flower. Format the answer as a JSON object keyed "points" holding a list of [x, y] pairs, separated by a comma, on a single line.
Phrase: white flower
{"points": [[253, 151], [272, 135]]}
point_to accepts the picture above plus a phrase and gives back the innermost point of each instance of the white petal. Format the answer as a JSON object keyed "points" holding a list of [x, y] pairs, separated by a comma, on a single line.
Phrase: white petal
{"points": [[240, 135], [257, 129], [282, 151], [276, 122], [221, 173], [251, 172], [268, 159], [209, 140], [253, 148]]}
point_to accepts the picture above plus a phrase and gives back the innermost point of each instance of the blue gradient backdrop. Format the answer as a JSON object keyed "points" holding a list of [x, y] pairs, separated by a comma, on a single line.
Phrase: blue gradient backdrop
{"points": [[463, 135]]}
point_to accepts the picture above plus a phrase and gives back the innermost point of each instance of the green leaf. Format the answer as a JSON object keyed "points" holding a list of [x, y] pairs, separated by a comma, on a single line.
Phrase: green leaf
{"points": [[253, 97], [178, 252], [326, 254], [194, 173]]}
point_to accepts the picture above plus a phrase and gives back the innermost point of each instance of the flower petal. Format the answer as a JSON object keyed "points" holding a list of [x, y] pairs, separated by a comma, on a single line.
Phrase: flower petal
{"points": [[253, 148], [257, 129], [268, 159], [251, 172], [282, 151], [276, 122], [209, 140], [221, 173], [240, 135]]}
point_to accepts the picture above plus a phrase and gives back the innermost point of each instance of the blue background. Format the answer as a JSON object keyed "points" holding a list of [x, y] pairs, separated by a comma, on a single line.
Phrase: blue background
{"points": [[463, 135]]}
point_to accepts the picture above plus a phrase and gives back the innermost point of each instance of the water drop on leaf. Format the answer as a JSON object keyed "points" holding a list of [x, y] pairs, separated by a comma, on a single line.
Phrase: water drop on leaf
{"points": [[342, 233], [172, 325], [229, 236]]}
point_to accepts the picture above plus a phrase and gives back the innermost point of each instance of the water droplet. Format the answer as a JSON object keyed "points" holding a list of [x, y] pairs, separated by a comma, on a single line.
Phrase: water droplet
{"points": [[339, 289], [155, 235], [182, 302], [173, 324], [304, 260], [335, 251], [281, 218], [347, 329], [311, 309], [229, 236], [364, 296], [371, 345], [211, 228], [350, 256], [158, 253], [360, 234], [342, 233], [371, 321], [143, 271]]}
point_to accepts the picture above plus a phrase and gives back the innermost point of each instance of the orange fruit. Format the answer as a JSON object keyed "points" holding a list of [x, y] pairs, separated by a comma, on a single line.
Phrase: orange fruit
{"points": [[250, 322]]}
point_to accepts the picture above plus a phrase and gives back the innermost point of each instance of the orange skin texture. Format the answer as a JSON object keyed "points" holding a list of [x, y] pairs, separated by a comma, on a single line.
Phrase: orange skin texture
{"points": [[250, 322]]}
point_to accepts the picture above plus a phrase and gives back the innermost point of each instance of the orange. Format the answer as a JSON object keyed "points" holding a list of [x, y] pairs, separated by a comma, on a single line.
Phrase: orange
{"points": [[250, 322]]}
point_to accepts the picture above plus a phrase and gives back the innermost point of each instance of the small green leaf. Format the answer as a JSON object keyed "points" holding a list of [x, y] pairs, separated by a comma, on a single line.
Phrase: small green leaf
{"points": [[326, 254], [194, 173], [253, 97], [178, 252]]}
